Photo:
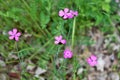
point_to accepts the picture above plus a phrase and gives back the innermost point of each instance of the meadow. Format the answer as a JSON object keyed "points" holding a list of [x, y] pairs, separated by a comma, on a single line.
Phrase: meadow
{"points": [[59, 39]]}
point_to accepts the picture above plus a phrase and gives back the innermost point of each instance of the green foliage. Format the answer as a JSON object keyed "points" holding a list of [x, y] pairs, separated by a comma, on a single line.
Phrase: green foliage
{"points": [[118, 55], [44, 19], [40, 19]]}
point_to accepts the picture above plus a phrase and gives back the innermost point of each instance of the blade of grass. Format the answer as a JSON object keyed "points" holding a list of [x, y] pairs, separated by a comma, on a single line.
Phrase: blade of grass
{"points": [[47, 43], [27, 6]]}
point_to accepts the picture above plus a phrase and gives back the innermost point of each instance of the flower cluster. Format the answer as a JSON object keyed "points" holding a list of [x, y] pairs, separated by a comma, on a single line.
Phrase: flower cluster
{"points": [[67, 14], [92, 60], [67, 52]]}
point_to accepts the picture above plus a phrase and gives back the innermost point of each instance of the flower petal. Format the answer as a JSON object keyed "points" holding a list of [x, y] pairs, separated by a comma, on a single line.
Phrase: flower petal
{"points": [[61, 13], [93, 63], [70, 15], [10, 33], [65, 17], [11, 37], [58, 38], [56, 42], [65, 56], [63, 41], [66, 10], [16, 38], [75, 13], [18, 34], [71, 11], [89, 60], [69, 55], [14, 31], [93, 57]]}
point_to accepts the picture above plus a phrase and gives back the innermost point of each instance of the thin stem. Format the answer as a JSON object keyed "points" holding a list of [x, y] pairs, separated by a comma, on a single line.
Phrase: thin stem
{"points": [[74, 77], [73, 33], [20, 60], [55, 58], [74, 69], [40, 49], [73, 37]]}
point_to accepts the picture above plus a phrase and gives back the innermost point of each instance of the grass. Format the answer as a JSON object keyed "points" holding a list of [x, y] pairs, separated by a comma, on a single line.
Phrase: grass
{"points": [[39, 23]]}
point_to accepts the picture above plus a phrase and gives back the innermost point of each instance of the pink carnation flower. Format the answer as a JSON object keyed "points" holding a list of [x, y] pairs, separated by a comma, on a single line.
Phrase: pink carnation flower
{"points": [[67, 14], [72, 14], [59, 40], [64, 13], [92, 60], [75, 13], [68, 53], [14, 34]]}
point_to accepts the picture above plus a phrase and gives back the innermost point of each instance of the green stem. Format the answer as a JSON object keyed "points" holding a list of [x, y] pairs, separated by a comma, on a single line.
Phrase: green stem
{"points": [[73, 37], [73, 33], [57, 73], [40, 49], [74, 77], [20, 59]]}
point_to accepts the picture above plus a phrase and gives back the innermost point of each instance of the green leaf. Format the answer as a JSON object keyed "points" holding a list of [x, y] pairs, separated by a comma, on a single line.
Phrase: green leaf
{"points": [[106, 7], [119, 55], [44, 19]]}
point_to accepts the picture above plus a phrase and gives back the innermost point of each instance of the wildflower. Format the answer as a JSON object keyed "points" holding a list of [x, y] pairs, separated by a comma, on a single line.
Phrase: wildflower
{"points": [[75, 13], [72, 14], [64, 13], [59, 40], [68, 53], [92, 60], [67, 14], [14, 34]]}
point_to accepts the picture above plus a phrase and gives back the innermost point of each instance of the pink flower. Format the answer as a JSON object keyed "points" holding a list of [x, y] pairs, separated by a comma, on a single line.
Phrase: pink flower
{"points": [[59, 40], [92, 60], [75, 13], [68, 53], [67, 14], [64, 13], [14, 34], [72, 14]]}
